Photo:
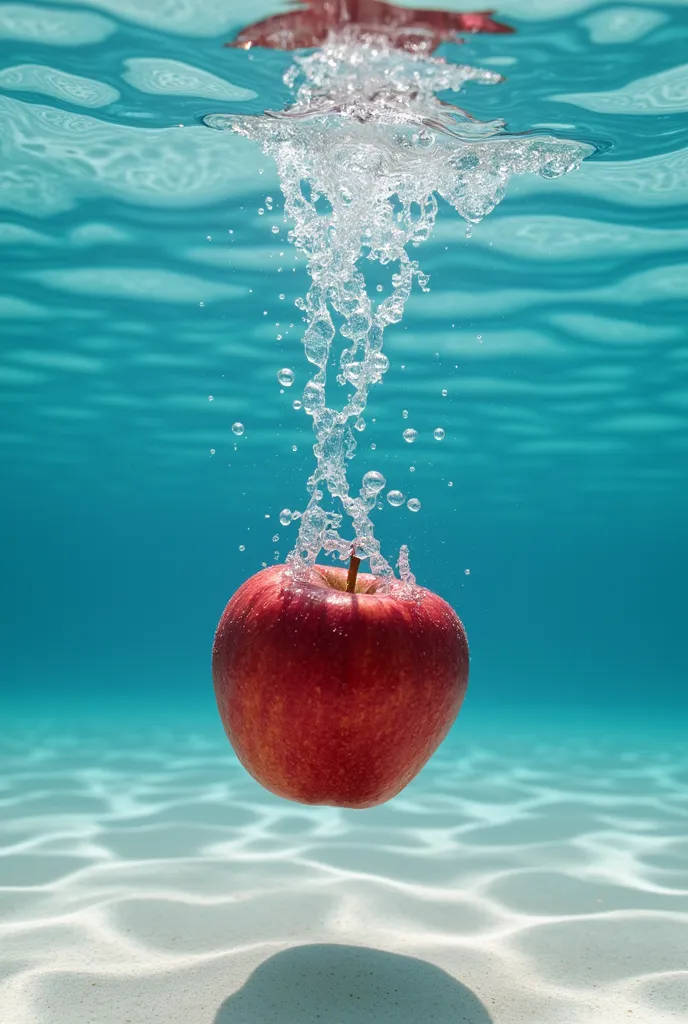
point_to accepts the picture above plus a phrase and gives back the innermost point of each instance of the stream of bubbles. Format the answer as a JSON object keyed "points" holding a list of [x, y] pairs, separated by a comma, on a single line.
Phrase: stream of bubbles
{"points": [[363, 154]]}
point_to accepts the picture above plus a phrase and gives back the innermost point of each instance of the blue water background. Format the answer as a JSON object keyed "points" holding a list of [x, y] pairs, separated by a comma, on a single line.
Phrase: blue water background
{"points": [[566, 437]]}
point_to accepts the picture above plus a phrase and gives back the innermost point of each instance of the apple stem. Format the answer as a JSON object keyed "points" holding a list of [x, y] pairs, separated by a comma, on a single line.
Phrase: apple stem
{"points": [[353, 572]]}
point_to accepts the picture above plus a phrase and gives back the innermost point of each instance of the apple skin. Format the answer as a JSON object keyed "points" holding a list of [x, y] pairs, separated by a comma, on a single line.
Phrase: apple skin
{"points": [[336, 698]]}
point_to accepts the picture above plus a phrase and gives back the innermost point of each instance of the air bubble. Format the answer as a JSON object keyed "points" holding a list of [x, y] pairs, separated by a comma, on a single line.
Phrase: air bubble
{"points": [[212, 451], [410, 435], [404, 413], [373, 197], [237, 428], [373, 481], [297, 403], [274, 229], [438, 434], [242, 547], [444, 392], [413, 505], [395, 498], [285, 516], [286, 377], [467, 572], [313, 398], [275, 539], [210, 398]]}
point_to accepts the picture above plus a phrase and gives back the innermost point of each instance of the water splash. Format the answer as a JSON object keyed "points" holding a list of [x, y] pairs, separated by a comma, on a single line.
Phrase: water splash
{"points": [[363, 154]]}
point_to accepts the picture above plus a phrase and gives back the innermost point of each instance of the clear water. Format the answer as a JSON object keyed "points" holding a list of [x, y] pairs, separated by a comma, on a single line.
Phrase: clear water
{"points": [[147, 305], [557, 331]]}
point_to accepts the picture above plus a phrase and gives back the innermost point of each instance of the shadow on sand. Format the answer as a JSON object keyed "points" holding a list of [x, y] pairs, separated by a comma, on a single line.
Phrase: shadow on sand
{"points": [[332, 984]]}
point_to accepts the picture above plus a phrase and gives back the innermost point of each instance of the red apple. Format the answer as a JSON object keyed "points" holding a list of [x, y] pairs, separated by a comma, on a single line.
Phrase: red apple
{"points": [[330, 697]]}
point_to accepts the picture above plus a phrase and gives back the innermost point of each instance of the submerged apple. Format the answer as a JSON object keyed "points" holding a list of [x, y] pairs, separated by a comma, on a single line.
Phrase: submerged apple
{"points": [[336, 697]]}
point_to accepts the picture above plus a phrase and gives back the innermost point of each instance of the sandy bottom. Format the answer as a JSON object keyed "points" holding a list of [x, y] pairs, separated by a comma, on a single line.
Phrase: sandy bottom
{"points": [[146, 878]]}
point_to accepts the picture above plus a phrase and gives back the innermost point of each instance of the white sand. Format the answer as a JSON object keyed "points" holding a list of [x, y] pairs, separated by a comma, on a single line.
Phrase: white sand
{"points": [[149, 879]]}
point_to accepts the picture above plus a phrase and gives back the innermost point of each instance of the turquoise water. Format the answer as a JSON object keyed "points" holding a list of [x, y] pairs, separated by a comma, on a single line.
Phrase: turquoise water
{"points": [[127, 303], [536, 868]]}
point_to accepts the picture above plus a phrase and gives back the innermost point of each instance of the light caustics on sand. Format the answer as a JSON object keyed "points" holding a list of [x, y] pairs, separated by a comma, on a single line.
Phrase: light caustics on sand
{"points": [[363, 154]]}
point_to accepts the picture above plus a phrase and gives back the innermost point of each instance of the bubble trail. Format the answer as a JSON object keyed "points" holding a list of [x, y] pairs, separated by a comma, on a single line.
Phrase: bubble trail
{"points": [[362, 155]]}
